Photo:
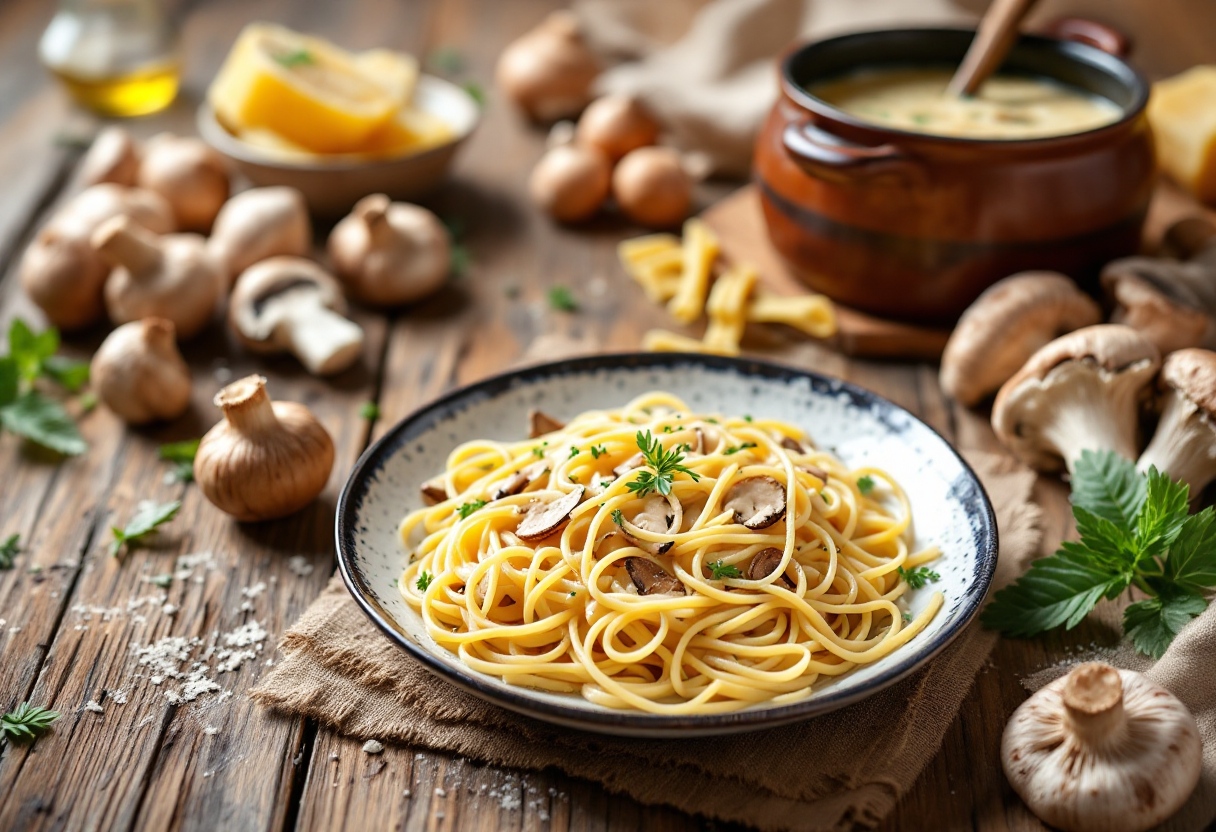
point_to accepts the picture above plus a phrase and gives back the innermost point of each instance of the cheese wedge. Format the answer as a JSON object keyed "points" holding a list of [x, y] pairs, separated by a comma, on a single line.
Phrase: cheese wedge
{"points": [[1182, 112]]}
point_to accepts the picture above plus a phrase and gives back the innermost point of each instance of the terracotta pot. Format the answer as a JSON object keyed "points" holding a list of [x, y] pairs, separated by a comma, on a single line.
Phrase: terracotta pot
{"points": [[913, 226]]}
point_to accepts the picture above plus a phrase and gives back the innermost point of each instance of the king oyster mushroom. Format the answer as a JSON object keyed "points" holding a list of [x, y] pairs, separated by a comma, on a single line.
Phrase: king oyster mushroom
{"points": [[543, 519], [1004, 327], [1080, 392], [1102, 750], [540, 423], [651, 579], [758, 502], [1184, 445], [289, 304], [764, 563], [659, 515]]}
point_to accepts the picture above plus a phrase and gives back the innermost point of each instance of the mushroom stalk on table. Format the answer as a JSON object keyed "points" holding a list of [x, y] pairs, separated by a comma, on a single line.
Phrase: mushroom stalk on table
{"points": [[1184, 444], [1080, 392]]}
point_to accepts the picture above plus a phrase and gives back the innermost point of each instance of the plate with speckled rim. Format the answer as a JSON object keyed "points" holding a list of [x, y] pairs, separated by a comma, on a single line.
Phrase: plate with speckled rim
{"points": [[949, 508]]}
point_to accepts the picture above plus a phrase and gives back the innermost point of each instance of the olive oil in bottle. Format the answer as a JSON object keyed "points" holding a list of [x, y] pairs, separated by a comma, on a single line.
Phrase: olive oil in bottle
{"points": [[116, 57]]}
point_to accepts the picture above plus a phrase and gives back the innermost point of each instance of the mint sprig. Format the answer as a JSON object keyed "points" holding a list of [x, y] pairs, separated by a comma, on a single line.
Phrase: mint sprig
{"points": [[148, 515], [27, 412], [1135, 531]]}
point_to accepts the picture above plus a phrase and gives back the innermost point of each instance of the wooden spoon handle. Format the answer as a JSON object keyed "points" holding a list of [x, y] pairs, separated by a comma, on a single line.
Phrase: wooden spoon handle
{"points": [[996, 34]]}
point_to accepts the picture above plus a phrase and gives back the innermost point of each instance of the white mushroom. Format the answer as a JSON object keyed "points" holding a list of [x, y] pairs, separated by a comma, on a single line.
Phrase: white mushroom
{"points": [[1102, 750], [548, 71], [651, 579], [64, 276], [1005, 326], [658, 515], [543, 519], [187, 173], [93, 206], [289, 304], [258, 224], [170, 277], [139, 373], [113, 157], [758, 502], [1184, 445], [1080, 392]]}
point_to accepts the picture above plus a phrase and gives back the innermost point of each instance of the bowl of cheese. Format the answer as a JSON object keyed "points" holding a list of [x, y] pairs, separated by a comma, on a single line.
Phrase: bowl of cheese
{"points": [[292, 109]]}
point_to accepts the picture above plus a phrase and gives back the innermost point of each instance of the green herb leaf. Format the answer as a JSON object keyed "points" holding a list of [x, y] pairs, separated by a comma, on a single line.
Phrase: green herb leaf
{"points": [[746, 417], [10, 379], [1161, 517], [664, 465], [296, 57], [44, 422], [1152, 624], [562, 299], [574, 452], [617, 517], [30, 350], [475, 92], [1191, 564], [67, 372], [183, 451], [597, 451], [720, 571], [737, 448], [26, 722], [148, 515], [424, 581], [9, 549], [865, 484], [468, 508], [461, 260], [369, 411], [1058, 589], [1108, 485], [918, 577], [87, 402]]}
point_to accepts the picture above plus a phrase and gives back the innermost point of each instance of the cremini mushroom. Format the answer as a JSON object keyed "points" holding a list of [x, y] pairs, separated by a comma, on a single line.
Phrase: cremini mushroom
{"points": [[257, 224], [113, 157], [571, 182], [1102, 750], [652, 188], [263, 459], [139, 374], [543, 519], [758, 502], [1184, 444], [93, 206], [540, 423], [658, 515], [1080, 392], [434, 491], [1005, 326], [616, 124], [651, 579], [170, 277], [389, 253], [515, 483], [548, 72], [191, 176], [765, 563], [289, 304]]}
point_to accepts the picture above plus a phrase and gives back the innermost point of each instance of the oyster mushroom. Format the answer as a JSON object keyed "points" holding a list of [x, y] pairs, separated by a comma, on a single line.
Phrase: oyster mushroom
{"points": [[1080, 392], [764, 563], [1004, 327], [659, 515], [758, 502], [540, 423], [1102, 750], [651, 579], [1184, 444], [544, 519], [289, 304]]}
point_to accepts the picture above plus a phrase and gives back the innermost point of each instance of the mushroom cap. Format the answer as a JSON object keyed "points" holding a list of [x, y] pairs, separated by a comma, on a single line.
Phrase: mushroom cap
{"points": [[1188, 237], [1004, 327], [548, 71], [98, 203], [764, 563], [64, 276], [113, 157], [543, 519], [617, 124], [249, 309], [1153, 296], [652, 188], [540, 423], [1102, 750], [758, 502], [1192, 372], [651, 579], [571, 182], [657, 516], [260, 223], [188, 173], [139, 373]]}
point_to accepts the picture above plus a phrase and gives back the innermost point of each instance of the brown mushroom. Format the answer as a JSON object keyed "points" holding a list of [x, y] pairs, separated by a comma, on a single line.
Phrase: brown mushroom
{"points": [[791, 444], [764, 563], [651, 579], [1080, 392], [543, 519], [1184, 444], [540, 423], [658, 515], [1158, 298], [758, 502], [113, 157], [434, 491], [518, 481], [1004, 327]]}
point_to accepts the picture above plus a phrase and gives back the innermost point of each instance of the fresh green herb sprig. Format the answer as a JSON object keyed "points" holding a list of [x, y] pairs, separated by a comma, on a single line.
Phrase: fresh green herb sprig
{"points": [[865, 484], [919, 576], [720, 571], [468, 508], [24, 410], [664, 465], [597, 451], [561, 299], [9, 549], [1136, 531], [148, 515], [617, 517], [181, 454], [424, 580], [574, 452], [736, 448], [26, 722]]}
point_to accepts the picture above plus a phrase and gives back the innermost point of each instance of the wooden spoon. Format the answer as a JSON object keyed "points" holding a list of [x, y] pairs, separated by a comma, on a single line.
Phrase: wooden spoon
{"points": [[993, 39]]}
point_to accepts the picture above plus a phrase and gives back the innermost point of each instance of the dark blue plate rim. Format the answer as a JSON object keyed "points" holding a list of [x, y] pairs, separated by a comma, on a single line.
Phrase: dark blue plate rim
{"points": [[345, 531]]}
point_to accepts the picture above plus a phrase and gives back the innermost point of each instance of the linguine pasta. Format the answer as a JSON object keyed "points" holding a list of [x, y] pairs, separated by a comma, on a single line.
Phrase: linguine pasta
{"points": [[731, 564]]}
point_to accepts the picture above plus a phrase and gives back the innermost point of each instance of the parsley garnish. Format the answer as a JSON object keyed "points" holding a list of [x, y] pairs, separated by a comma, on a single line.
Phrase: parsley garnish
{"points": [[712, 421], [919, 576], [572, 594], [424, 580], [907, 617], [746, 418], [181, 453], [296, 57], [148, 515], [25, 411], [865, 484], [738, 448], [539, 450], [1135, 531], [9, 549], [26, 722], [720, 571], [369, 411], [597, 451], [468, 508], [664, 466], [617, 517], [562, 299], [574, 452]]}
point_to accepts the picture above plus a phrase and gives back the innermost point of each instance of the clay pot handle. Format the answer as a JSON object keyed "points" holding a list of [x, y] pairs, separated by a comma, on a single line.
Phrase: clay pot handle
{"points": [[1090, 32], [815, 151]]}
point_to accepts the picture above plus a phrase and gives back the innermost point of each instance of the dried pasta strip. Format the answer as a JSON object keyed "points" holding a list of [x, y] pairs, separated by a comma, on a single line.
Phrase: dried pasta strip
{"points": [[700, 250], [726, 307], [660, 340], [632, 251], [813, 314]]}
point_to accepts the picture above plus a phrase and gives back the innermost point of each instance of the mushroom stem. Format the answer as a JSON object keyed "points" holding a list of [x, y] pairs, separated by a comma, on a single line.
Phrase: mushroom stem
{"points": [[159, 334], [247, 406], [323, 340], [373, 210], [123, 243], [1097, 415], [1093, 704], [1184, 444]]}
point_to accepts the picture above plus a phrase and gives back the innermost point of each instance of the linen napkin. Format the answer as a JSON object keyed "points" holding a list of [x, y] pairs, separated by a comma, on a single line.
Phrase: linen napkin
{"points": [[839, 771]]}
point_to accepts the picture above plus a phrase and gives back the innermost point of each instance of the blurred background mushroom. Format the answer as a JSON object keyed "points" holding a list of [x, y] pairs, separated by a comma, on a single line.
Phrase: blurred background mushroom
{"points": [[1184, 444]]}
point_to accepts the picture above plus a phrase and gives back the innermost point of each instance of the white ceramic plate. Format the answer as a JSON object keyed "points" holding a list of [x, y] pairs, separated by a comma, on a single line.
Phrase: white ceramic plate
{"points": [[948, 503]]}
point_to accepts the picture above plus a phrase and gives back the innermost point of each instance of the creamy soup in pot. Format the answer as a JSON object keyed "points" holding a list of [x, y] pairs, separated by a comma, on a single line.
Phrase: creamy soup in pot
{"points": [[1006, 107]]}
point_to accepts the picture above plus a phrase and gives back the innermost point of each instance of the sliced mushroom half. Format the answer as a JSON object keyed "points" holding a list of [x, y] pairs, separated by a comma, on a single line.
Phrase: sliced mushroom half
{"points": [[434, 491], [652, 579], [658, 515], [632, 464], [543, 519], [764, 563], [758, 502], [517, 482], [792, 444], [540, 423]]}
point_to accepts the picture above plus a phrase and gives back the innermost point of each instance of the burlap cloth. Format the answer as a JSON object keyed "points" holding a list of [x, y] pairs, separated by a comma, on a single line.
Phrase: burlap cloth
{"points": [[839, 771]]}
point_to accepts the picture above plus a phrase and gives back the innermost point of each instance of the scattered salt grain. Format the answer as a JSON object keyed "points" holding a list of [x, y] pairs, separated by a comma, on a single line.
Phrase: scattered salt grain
{"points": [[255, 590], [405, 793], [211, 730], [299, 565], [373, 747], [439, 792], [118, 697], [169, 609], [92, 705]]}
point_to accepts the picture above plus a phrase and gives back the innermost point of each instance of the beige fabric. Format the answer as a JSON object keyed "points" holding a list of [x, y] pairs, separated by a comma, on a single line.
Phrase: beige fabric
{"points": [[835, 772]]}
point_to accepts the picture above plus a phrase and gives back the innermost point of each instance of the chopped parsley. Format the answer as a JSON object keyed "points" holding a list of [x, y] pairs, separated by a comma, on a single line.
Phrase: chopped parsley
{"points": [[574, 452], [919, 576], [369, 411], [617, 517], [865, 484], [8, 550], [424, 580], [468, 508], [561, 299], [720, 571], [738, 448], [296, 57], [181, 454], [148, 515], [597, 451]]}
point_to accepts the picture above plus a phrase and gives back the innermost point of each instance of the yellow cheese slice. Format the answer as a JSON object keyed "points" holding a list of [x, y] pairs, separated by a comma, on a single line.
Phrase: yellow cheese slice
{"points": [[1182, 112]]}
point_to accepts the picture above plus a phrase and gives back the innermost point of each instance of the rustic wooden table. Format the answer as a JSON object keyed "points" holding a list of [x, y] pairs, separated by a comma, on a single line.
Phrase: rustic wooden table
{"points": [[66, 631]]}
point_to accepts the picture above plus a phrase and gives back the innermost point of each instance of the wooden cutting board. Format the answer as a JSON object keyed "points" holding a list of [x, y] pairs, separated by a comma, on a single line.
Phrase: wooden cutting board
{"points": [[739, 223]]}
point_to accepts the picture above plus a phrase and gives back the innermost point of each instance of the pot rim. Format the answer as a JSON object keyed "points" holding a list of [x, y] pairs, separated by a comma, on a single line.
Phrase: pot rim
{"points": [[1084, 52]]}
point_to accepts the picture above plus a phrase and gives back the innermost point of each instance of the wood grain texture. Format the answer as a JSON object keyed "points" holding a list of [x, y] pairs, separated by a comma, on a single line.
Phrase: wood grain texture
{"points": [[225, 764]]}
